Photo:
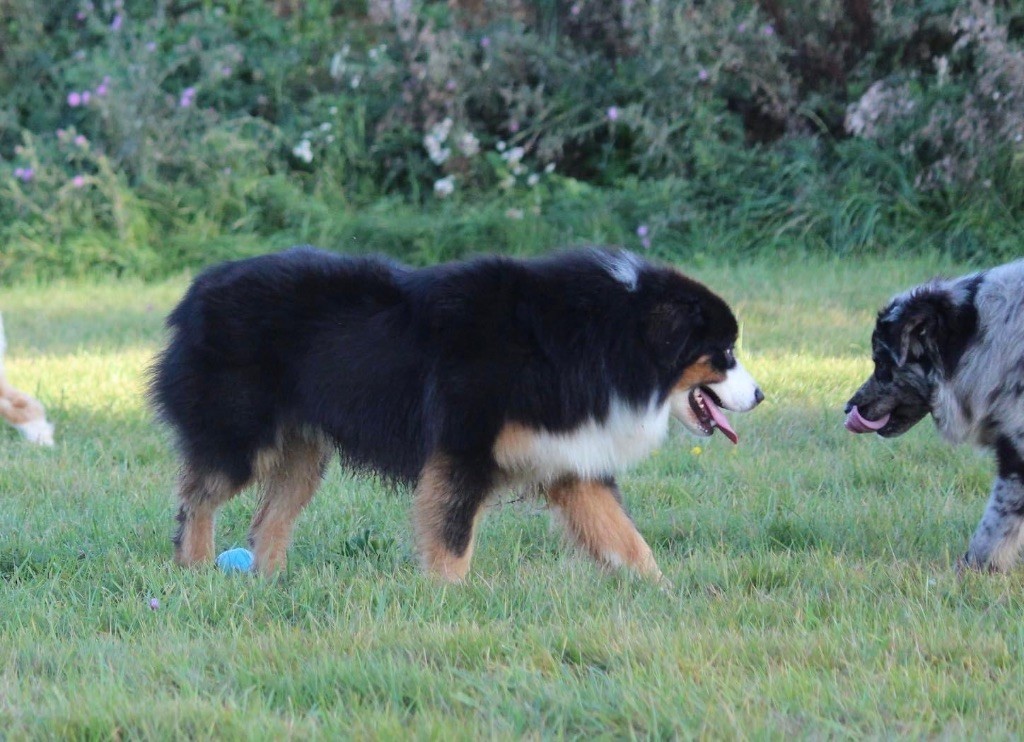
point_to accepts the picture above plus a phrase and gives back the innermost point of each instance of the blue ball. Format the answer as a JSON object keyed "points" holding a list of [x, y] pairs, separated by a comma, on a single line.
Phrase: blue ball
{"points": [[235, 560]]}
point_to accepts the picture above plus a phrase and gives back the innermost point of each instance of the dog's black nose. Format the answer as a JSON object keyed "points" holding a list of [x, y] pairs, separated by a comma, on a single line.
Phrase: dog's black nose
{"points": [[758, 396]]}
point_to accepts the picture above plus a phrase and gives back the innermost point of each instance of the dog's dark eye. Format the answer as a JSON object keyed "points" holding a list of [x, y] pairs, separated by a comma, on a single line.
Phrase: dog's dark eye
{"points": [[729, 358]]}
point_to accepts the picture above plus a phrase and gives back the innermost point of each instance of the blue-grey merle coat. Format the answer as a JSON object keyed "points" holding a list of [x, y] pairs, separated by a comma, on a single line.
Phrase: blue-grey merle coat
{"points": [[955, 348]]}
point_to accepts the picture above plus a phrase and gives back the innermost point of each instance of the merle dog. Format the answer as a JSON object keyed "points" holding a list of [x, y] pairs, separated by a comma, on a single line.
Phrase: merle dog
{"points": [[955, 348]]}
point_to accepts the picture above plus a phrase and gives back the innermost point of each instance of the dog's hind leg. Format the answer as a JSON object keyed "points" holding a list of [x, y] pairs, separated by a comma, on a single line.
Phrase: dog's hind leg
{"points": [[289, 478], [448, 500], [200, 495], [997, 541], [592, 515]]}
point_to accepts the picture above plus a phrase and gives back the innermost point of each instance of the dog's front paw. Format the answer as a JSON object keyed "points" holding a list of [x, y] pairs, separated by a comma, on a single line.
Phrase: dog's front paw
{"points": [[971, 562]]}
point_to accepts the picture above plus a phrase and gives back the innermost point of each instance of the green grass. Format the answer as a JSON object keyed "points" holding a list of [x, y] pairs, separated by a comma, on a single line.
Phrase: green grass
{"points": [[813, 590]]}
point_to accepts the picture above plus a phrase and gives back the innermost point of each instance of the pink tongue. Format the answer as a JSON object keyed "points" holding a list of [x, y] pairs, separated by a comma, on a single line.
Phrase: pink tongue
{"points": [[720, 420], [857, 423]]}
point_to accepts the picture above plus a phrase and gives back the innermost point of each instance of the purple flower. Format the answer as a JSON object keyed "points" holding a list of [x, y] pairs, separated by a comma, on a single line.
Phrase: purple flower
{"points": [[81, 141], [115, 25], [154, 604], [576, 8], [86, 95], [646, 242], [613, 113], [101, 90], [150, 46], [188, 96], [80, 15], [78, 181], [225, 71], [742, 28], [74, 99], [642, 230], [768, 30], [485, 42], [702, 74], [24, 174], [61, 134]]}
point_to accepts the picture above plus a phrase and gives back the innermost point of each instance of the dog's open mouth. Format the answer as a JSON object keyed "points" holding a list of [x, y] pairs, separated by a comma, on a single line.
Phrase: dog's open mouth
{"points": [[706, 407], [857, 423]]}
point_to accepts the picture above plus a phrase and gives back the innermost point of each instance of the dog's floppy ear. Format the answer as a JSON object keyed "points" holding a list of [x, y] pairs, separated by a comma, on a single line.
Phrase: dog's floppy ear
{"points": [[669, 325], [923, 323]]}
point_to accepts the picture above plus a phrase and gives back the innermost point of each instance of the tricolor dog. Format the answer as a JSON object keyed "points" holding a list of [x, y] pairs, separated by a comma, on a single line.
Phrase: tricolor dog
{"points": [[461, 379]]}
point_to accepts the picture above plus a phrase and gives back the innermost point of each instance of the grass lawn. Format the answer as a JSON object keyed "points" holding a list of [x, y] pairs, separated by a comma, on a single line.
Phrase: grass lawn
{"points": [[813, 586]]}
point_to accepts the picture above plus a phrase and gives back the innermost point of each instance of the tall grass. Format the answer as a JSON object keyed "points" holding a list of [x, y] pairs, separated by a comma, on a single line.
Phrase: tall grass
{"points": [[813, 586]]}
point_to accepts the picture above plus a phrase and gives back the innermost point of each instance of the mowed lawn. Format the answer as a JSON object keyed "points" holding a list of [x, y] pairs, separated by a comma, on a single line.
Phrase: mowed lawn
{"points": [[813, 589]]}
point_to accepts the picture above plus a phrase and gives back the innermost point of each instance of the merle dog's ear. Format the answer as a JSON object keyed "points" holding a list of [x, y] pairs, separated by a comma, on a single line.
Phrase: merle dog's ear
{"points": [[923, 324]]}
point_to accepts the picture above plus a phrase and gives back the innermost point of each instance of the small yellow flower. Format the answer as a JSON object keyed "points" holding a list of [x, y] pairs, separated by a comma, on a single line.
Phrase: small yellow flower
{"points": [[696, 450]]}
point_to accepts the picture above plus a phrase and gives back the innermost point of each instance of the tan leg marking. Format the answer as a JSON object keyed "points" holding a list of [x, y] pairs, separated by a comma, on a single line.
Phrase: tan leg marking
{"points": [[289, 482], [200, 495], [19, 408], [594, 519], [432, 516]]}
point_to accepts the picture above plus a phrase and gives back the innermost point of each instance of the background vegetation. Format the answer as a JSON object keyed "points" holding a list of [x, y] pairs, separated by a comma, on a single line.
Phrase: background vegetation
{"points": [[140, 138]]}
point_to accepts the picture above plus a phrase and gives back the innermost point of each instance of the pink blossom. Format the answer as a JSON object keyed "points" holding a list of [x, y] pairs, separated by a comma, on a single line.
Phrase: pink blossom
{"points": [[101, 90], [24, 174], [61, 134], [86, 95], [115, 25], [74, 99], [613, 113], [485, 42], [642, 230], [576, 8], [768, 30], [702, 74], [81, 141], [188, 96], [78, 181]]}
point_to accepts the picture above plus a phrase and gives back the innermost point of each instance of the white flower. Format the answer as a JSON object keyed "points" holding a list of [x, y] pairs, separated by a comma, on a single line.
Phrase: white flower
{"points": [[356, 79], [325, 126], [437, 154], [507, 183], [337, 68], [333, 110], [303, 151], [513, 156], [500, 146], [549, 168], [444, 187], [441, 130], [533, 180], [469, 144], [514, 213]]}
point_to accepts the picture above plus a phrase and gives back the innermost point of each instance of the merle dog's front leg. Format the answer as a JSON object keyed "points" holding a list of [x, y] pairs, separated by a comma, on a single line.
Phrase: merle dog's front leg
{"points": [[997, 541]]}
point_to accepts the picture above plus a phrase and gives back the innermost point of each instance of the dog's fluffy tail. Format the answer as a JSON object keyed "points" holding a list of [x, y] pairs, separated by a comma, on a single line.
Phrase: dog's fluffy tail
{"points": [[21, 410]]}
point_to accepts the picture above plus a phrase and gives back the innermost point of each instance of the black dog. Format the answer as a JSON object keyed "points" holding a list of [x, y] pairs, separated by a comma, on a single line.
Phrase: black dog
{"points": [[462, 378], [955, 348]]}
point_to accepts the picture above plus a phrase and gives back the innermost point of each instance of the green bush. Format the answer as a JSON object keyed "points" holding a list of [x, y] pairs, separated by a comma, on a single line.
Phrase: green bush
{"points": [[144, 139]]}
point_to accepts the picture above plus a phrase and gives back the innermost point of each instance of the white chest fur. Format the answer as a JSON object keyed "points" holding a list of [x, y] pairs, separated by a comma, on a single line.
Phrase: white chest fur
{"points": [[594, 449]]}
